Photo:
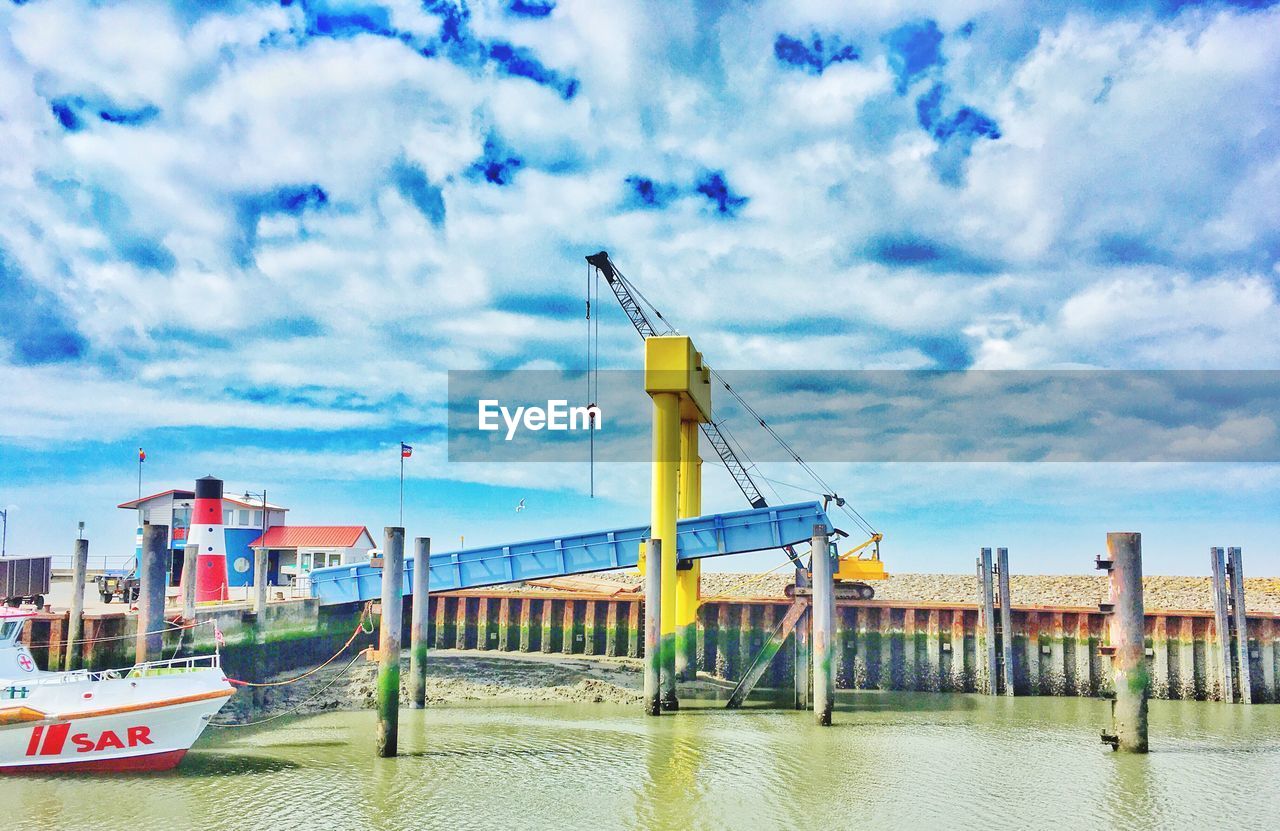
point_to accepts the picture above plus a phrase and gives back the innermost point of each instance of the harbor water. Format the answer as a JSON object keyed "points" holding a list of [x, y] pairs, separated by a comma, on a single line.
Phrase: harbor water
{"points": [[893, 761]]}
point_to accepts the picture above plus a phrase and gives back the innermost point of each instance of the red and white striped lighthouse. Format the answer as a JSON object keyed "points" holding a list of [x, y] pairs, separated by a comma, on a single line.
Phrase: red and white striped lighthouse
{"points": [[206, 539]]}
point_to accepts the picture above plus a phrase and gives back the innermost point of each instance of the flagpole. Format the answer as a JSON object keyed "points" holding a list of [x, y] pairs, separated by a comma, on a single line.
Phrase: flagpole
{"points": [[401, 484], [139, 472]]}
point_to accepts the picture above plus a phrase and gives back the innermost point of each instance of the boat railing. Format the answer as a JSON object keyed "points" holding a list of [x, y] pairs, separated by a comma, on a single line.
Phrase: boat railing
{"points": [[172, 666]]}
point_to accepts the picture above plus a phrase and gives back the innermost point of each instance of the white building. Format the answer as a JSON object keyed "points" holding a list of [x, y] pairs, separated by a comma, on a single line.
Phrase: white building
{"points": [[294, 550]]}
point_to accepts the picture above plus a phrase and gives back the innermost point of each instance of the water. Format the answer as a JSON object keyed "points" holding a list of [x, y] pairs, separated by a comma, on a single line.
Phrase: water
{"points": [[894, 761]]}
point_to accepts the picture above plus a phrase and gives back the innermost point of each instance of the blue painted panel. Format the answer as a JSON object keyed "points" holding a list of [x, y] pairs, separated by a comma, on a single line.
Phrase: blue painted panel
{"points": [[240, 555], [713, 535]]}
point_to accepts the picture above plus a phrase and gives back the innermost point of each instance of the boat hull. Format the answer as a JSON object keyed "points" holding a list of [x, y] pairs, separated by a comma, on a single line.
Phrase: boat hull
{"points": [[109, 732]]}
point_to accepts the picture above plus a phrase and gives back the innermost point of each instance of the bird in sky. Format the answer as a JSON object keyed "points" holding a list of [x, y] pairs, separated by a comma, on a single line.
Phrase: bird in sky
{"points": [[520, 507]]}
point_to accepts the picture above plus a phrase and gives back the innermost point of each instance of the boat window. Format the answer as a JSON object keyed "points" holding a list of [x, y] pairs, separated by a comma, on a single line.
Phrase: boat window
{"points": [[9, 630]]}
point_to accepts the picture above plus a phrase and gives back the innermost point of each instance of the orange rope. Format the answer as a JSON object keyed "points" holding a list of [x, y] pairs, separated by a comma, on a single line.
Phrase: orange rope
{"points": [[360, 628]]}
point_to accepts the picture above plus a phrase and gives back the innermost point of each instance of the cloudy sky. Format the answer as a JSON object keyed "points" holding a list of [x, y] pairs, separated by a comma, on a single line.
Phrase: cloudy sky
{"points": [[253, 237]]}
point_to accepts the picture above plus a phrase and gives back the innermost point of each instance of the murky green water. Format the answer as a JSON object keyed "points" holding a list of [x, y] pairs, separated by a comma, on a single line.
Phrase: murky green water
{"points": [[893, 761]]}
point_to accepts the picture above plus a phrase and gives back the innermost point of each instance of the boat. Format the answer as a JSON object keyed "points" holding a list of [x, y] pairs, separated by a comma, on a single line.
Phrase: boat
{"points": [[143, 718]]}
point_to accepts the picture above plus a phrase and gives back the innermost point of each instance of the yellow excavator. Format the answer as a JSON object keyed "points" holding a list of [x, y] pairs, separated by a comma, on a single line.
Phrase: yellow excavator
{"points": [[856, 565]]}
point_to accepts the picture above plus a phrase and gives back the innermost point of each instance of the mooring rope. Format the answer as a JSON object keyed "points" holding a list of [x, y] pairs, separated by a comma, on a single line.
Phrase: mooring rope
{"points": [[366, 617], [338, 675], [170, 627]]}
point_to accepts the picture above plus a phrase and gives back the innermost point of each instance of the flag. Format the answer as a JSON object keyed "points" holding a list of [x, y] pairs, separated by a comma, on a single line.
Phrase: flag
{"points": [[142, 456], [405, 450]]}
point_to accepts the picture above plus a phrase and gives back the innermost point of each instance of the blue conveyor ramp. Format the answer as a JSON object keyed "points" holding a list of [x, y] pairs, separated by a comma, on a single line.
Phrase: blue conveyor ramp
{"points": [[713, 535]]}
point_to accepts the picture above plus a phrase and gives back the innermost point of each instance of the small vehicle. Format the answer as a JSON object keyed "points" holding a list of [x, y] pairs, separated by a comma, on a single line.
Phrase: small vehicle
{"points": [[24, 580], [121, 584]]}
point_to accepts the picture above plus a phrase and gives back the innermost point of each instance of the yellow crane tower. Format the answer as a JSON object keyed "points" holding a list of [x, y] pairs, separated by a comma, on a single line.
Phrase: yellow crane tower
{"points": [[679, 382]]}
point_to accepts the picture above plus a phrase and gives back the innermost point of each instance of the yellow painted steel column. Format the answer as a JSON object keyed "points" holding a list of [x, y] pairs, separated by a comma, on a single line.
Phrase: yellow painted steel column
{"points": [[666, 466], [688, 582]]}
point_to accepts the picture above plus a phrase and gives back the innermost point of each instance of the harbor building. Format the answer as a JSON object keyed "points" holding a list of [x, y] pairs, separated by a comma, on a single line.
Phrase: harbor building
{"points": [[242, 520], [234, 527]]}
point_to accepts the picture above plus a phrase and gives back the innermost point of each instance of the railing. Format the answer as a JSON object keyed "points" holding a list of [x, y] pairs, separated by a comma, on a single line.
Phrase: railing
{"points": [[189, 664], [122, 562]]}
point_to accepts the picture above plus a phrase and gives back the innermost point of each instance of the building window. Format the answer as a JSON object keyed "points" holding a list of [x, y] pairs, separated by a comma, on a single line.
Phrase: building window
{"points": [[228, 516], [257, 519], [244, 516]]}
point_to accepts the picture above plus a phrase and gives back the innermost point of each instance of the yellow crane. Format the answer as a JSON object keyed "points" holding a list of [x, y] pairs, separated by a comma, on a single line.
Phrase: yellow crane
{"points": [[856, 565]]}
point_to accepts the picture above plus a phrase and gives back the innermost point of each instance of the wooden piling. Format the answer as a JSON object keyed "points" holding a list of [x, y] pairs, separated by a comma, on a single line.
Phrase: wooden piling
{"points": [[612, 631], [389, 641], [1055, 678], [989, 682], [1222, 627], [75, 619], [803, 659], [504, 624], [1084, 656], [482, 636], [910, 650], [149, 643], [653, 629], [1132, 680], [526, 625], [1006, 621], [260, 562], [959, 670], [823, 615], [635, 630], [1160, 657], [1031, 652], [1267, 648], [1235, 571], [187, 582], [932, 651], [1187, 686], [419, 618]]}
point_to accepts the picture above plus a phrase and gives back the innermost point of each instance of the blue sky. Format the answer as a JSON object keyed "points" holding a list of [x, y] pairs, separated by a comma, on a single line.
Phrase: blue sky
{"points": [[253, 237]]}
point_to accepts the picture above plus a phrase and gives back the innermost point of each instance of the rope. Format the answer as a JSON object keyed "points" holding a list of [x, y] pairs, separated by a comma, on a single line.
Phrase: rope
{"points": [[299, 705], [170, 627], [360, 628]]}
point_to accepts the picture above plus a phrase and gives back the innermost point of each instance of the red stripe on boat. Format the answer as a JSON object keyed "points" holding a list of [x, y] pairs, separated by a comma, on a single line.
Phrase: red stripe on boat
{"points": [[55, 738], [127, 764]]}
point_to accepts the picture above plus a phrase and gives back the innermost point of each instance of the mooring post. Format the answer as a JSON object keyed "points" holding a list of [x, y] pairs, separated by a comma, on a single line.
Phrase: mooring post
{"points": [[823, 615], [188, 581], [1132, 680], [803, 658], [988, 623], [1006, 619], [1222, 623], [260, 562], [1235, 570], [418, 623], [653, 627], [389, 641], [75, 620], [149, 644]]}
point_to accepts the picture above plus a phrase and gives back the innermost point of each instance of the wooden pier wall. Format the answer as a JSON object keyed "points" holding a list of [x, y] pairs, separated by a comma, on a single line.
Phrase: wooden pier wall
{"points": [[879, 645]]}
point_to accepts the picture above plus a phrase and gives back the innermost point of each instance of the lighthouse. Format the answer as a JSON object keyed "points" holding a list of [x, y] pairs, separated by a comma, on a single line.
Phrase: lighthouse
{"points": [[207, 541]]}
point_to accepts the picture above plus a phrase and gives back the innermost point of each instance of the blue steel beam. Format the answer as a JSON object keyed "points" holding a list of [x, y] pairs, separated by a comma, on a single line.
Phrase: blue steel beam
{"points": [[713, 535]]}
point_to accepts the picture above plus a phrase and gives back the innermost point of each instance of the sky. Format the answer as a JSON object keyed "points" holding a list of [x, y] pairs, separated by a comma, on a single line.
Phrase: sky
{"points": [[253, 238]]}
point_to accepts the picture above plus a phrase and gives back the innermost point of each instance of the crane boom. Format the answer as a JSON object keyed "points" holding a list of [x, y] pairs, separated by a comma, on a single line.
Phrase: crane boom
{"points": [[630, 303]]}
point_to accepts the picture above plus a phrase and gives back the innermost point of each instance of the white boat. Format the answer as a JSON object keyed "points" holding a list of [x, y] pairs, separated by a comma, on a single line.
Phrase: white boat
{"points": [[142, 718]]}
